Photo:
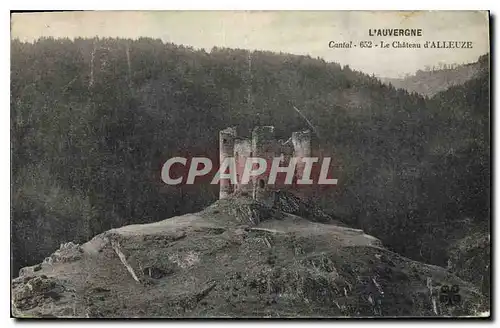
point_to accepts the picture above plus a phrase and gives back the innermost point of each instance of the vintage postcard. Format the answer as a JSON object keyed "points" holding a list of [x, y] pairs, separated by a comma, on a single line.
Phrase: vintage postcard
{"points": [[250, 164]]}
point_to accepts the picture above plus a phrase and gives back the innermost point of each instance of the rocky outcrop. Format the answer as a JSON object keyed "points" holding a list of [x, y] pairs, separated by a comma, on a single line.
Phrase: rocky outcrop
{"points": [[470, 260], [238, 258]]}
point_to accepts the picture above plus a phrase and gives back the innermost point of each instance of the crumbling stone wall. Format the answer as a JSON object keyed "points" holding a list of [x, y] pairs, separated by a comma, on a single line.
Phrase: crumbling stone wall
{"points": [[262, 144], [302, 148], [226, 149], [242, 151]]}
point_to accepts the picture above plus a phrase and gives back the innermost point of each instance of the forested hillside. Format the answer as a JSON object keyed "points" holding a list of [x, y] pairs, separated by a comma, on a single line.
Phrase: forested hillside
{"points": [[433, 80], [93, 121]]}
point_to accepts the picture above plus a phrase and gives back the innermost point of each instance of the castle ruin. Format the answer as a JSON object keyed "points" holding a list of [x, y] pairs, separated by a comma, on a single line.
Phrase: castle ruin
{"points": [[262, 144]]}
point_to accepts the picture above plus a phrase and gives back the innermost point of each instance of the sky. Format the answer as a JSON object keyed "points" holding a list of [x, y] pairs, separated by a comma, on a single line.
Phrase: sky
{"points": [[297, 32]]}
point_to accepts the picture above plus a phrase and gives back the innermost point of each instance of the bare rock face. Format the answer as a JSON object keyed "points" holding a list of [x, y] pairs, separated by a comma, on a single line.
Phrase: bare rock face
{"points": [[238, 258]]}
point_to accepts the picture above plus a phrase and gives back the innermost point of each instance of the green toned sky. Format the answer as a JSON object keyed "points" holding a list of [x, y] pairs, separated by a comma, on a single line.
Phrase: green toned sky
{"points": [[306, 32]]}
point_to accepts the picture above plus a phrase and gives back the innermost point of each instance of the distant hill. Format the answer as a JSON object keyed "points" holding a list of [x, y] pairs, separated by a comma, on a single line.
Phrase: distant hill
{"points": [[429, 83]]}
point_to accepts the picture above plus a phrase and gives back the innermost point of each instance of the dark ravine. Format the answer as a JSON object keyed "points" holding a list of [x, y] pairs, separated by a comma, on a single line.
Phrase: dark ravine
{"points": [[237, 258]]}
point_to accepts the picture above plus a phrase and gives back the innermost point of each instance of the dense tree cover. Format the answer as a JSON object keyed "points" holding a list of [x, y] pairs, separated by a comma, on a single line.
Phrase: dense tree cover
{"points": [[93, 121]]}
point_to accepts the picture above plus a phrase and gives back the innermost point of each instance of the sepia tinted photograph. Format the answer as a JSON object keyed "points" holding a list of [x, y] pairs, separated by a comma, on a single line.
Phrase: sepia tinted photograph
{"points": [[250, 164]]}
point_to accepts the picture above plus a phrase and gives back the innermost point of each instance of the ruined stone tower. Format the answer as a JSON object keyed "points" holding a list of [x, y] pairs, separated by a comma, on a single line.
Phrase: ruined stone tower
{"points": [[226, 149], [302, 148], [262, 144]]}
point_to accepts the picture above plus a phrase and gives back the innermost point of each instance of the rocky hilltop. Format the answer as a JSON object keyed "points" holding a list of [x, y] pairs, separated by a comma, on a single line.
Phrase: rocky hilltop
{"points": [[237, 258]]}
